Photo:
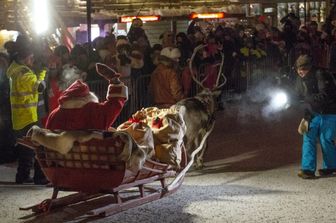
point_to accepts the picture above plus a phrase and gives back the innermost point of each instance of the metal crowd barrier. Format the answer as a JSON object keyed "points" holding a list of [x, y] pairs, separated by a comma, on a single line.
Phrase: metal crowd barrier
{"points": [[245, 74], [138, 95]]}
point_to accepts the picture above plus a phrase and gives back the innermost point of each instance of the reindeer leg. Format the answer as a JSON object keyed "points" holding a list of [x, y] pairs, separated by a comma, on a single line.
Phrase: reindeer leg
{"points": [[199, 156], [200, 161]]}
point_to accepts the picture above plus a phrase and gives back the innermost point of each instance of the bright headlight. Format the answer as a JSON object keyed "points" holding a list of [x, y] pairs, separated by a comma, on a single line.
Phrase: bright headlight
{"points": [[279, 100]]}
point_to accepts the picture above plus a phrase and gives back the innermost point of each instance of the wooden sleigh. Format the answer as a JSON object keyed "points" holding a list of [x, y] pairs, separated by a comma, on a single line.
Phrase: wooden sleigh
{"points": [[95, 171]]}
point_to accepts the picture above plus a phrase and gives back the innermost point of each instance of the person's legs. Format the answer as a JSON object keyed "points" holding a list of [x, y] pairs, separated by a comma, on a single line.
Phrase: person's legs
{"points": [[308, 161], [25, 163], [327, 140], [25, 158]]}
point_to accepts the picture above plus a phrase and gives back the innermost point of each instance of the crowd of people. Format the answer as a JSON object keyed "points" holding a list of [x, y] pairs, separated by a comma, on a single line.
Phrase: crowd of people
{"points": [[33, 95]]}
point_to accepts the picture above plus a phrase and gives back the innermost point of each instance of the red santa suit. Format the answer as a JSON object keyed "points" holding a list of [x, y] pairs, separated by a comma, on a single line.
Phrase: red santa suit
{"points": [[79, 108]]}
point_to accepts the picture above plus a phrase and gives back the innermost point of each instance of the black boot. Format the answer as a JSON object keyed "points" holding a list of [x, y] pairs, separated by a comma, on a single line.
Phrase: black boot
{"points": [[327, 172], [39, 177], [306, 174], [25, 163], [20, 179]]}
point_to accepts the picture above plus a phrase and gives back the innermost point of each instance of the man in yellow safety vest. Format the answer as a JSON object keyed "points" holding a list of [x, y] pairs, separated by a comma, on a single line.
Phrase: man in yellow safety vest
{"points": [[25, 87]]}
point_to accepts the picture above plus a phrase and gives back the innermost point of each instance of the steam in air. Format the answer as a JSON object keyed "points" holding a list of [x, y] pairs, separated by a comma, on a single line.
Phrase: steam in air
{"points": [[69, 75], [264, 100]]}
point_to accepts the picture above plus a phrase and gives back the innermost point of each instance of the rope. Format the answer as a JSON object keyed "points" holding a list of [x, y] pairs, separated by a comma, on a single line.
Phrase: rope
{"points": [[193, 154]]}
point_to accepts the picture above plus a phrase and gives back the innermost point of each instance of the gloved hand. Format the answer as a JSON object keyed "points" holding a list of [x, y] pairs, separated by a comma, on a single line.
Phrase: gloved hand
{"points": [[303, 127], [107, 72], [115, 81]]}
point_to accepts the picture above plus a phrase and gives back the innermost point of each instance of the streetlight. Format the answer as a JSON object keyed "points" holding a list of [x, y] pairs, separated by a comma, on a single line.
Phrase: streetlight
{"points": [[40, 16]]}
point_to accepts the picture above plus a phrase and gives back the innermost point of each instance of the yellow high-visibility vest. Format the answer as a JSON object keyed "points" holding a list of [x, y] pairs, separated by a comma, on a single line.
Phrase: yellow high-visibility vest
{"points": [[23, 94]]}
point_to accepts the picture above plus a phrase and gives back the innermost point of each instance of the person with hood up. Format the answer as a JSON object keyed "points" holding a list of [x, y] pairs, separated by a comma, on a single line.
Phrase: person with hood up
{"points": [[165, 84], [318, 89]]}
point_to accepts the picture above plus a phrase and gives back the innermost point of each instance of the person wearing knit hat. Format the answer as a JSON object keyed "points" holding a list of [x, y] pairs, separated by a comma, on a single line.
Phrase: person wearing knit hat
{"points": [[318, 88], [25, 88], [79, 109], [304, 62]]}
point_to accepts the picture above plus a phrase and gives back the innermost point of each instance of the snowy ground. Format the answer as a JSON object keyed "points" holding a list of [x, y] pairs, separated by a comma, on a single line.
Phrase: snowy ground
{"points": [[276, 195], [250, 176]]}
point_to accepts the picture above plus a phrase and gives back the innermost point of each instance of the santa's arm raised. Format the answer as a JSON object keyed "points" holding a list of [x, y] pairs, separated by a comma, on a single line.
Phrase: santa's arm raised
{"points": [[79, 108], [117, 93]]}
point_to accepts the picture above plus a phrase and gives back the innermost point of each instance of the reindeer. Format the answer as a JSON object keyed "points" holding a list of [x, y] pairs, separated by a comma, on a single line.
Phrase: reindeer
{"points": [[199, 114]]}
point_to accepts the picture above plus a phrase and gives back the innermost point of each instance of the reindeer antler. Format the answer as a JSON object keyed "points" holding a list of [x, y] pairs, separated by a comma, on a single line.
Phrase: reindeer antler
{"points": [[219, 72], [191, 62]]}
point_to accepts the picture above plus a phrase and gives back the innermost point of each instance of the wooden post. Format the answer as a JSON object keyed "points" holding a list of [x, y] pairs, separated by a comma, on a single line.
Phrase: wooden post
{"points": [[16, 15], [305, 11], [173, 27], [101, 29], [88, 20]]}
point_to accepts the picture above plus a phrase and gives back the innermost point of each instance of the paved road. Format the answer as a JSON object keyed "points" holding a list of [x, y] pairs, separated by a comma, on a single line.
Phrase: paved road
{"points": [[250, 176]]}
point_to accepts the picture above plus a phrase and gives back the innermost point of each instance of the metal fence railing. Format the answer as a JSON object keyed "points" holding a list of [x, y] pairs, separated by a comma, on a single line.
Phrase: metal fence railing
{"points": [[138, 95], [245, 74]]}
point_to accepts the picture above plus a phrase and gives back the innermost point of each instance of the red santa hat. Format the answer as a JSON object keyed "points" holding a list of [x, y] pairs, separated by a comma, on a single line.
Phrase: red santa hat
{"points": [[78, 89], [78, 94]]}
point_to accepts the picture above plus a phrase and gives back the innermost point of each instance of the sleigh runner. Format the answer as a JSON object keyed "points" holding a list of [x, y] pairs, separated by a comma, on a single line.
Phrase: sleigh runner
{"points": [[96, 171]]}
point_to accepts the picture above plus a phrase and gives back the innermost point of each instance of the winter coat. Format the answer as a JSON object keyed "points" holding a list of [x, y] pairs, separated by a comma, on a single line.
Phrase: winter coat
{"points": [[332, 60], [55, 93], [86, 113], [4, 92], [24, 94], [187, 81], [319, 90], [165, 84]]}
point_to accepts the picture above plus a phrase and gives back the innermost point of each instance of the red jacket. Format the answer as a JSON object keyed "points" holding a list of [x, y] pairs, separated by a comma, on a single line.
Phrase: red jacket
{"points": [[83, 113], [54, 96], [90, 116]]}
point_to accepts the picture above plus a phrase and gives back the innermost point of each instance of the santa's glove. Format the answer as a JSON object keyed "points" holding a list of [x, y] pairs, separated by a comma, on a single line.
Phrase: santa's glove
{"points": [[117, 90], [303, 127], [115, 80]]}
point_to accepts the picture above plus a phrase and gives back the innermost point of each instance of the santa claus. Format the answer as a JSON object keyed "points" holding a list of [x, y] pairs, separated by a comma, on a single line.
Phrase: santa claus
{"points": [[79, 108]]}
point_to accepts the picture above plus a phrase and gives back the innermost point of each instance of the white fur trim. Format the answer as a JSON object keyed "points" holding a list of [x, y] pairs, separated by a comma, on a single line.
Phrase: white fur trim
{"points": [[170, 52], [61, 142], [79, 102], [117, 91]]}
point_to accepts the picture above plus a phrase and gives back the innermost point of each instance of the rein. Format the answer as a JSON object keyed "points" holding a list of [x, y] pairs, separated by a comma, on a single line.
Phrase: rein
{"points": [[192, 158]]}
